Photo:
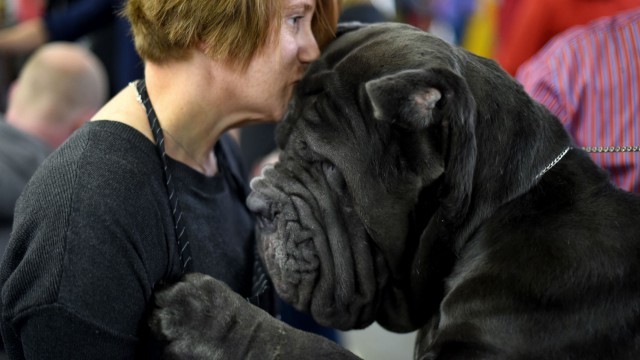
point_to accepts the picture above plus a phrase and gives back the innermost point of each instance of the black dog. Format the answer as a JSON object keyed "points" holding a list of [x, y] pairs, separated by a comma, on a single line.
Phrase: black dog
{"points": [[420, 187]]}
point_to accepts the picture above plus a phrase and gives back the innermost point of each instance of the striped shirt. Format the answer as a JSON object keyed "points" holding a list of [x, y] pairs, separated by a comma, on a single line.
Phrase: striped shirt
{"points": [[589, 77]]}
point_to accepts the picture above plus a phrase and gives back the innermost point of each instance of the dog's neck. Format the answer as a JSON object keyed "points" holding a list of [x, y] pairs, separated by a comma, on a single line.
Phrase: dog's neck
{"points": [[509, 164]]}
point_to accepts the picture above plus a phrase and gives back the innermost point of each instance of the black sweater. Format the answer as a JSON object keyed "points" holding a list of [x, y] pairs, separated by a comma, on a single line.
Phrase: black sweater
{"points": [[20, 155], [93, 235]]}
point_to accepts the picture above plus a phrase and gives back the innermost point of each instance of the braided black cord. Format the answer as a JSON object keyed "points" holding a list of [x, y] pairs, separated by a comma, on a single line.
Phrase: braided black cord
{"points": [[184, 249], [261, 297]]}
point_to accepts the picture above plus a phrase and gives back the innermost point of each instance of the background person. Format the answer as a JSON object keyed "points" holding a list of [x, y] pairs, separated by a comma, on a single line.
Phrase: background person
{"points": [[589, 77], [120, 209], [60, 87], [534, 22], [72, 21]]}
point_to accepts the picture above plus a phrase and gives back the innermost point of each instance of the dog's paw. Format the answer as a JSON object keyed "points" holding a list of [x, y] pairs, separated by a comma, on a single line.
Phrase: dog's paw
{"points": [[202, 318], [193, 314]]}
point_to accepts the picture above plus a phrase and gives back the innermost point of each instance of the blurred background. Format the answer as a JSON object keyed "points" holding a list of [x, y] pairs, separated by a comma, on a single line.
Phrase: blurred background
{"points": [[508, 31]]}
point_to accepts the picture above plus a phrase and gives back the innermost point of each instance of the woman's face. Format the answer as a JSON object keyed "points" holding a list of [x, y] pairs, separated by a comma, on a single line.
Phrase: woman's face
{"points": [[267, 85]]}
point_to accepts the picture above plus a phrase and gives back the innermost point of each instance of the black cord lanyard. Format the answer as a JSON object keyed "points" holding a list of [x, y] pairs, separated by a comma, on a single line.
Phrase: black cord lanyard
{"points": [[260, 296], [184, 249]]}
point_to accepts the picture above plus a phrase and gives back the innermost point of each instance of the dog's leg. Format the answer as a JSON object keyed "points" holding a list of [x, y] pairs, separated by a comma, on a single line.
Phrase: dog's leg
{"points": [[202, 318]]}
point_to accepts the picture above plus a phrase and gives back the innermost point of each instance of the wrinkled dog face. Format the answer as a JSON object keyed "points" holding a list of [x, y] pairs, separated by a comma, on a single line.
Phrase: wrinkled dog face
{"points": [[336, 211], [314, 243]]}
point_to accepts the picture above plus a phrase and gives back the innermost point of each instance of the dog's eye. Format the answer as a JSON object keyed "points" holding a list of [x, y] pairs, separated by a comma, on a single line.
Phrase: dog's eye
{"points": [[302, 148], [305, 152], [334, 177], [328, 168]]}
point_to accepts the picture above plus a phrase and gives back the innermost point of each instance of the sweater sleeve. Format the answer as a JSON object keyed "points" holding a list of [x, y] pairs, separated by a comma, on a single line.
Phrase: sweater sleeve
{"points": [[80, 18], [88, 248], [54, 332], [76, 296]]}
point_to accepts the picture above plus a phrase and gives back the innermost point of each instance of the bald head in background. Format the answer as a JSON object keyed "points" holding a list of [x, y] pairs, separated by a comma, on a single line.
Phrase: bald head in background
{"points": [[58, 89]]}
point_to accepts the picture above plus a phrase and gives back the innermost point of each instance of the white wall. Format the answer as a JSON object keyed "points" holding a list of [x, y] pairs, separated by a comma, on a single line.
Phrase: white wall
{"points": [[376, 343]]}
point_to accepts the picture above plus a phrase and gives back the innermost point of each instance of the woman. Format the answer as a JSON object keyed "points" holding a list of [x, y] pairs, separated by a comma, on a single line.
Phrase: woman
{"points": [[148, 191]]}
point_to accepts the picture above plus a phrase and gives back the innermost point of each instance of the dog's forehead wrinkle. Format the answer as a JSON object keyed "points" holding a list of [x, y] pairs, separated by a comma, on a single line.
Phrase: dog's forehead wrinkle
{"points": [[334, 144], [374, 52]]}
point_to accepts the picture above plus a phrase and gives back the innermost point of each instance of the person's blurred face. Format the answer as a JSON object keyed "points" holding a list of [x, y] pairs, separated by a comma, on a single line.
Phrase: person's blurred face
{"points": [[268, 82]]}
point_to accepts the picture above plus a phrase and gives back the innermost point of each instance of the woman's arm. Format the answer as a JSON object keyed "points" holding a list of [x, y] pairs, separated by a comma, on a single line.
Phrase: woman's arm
{"points": [[67, 24], [23, 37]]}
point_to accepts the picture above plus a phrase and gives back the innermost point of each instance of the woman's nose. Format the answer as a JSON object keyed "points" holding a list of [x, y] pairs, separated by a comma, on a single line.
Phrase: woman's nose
{"points": [[309, 51]]}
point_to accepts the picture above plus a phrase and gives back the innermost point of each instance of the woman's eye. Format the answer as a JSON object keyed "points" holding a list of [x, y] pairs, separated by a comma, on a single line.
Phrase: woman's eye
{"points": [[294, 20]]}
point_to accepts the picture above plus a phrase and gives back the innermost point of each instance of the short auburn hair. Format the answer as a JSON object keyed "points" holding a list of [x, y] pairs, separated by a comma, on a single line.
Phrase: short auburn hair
{"points": [[232, 30]]}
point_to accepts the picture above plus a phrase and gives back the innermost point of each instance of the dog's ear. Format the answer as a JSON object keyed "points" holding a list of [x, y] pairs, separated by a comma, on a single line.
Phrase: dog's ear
{"points": [[418, 99], [408, 98]]}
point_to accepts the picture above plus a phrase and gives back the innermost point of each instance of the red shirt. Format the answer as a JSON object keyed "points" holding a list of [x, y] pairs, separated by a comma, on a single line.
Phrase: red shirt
{"points": [[589, 76], [534, 22], [29, 9]]}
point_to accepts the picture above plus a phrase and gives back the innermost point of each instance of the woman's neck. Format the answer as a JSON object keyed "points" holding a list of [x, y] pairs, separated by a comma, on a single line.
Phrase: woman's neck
{"points": [[191, 129]]}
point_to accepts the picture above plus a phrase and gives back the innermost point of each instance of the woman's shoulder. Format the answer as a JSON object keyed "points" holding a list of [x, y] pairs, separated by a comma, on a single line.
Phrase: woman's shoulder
{"points": [[102, 158], [105, 144]]}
